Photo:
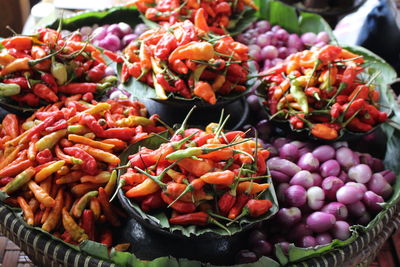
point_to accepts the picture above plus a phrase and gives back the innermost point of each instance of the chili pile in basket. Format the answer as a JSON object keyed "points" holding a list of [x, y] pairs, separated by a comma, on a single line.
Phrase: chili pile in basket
{"points": [[42, 67], [58, 165], [186, 60], [200, 177], [324, 90]]}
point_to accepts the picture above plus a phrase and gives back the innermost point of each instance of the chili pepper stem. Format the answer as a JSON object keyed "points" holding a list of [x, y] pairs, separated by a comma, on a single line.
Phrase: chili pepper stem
{"points": [[220, 225], [184, 123], [237, 151], [158, 178], [253, 178], [37, 61], [121, 183], [189, 188], [218, 216]]}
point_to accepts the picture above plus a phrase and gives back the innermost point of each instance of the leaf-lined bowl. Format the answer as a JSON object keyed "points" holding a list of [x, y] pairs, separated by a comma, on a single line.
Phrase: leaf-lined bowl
{"points": [[373, 63], [158, 221]]}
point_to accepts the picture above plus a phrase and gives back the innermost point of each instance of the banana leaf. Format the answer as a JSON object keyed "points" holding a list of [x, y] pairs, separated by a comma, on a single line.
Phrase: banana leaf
{"points": [[160, 219]]}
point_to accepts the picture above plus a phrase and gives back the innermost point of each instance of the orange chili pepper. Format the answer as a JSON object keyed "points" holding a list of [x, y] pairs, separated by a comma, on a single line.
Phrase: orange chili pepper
{"points": [[147, 187], [251, 187], [200, 21], [205, 91], [28, 213], [219, 177], [41, 195], [76, 232], [196, 167], [323, 131], [10, 125], [193, 51]]}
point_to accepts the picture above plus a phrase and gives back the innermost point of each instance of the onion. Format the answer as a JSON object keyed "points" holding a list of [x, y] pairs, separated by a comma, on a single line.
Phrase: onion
{"points": [[323, 239], [115, 30], [317, 179], [299, 231], [337, 209], [330, 168], [125, 28], [341, 230], [364, 219], [315, 197], [307, 241], [389, 176], [320, 221], [324, 153], [331, 185], [346, 157], [127, 39], [255, 236], [99, 33], [254, 103], [279, 142], [377, 166], [371, 200], [302, 178], [110, 42], [283, 166], [356, 209], [380, 186], [349, 194], [362, 187], [264, 129], [280, 192], [279, 177], [323, 37], [309, 38], [262, 248], [367, 159], [343, 176], [360, 173], [295, 196], [289, 152], [289, 216], [308, 162]]}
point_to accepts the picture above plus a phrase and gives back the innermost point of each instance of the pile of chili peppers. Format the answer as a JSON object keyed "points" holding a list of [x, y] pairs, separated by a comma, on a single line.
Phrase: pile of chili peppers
{"points": [[217, 13], [40, 68], [322, 90], [200, 177], [58, 165], [187, 60]]}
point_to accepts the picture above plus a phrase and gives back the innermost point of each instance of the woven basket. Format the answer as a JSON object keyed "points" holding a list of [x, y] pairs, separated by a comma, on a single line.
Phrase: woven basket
{"points": [[45, 251]]}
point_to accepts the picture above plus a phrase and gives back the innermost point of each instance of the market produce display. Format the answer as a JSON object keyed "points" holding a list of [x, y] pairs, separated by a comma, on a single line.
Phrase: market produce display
{"points": [[57, 165], [269, 45], [217, 14], [114, 37], [323, 90], [88, 162], [187, 60], [39, 69], [201, 177], [322, 191]]}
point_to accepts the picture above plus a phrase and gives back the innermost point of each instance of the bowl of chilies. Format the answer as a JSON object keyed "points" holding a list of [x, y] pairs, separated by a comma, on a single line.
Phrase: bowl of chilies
{"points": [[186, 64], [39, 69], [197, 183], [58, 165], [219, 15], [325, 94]]}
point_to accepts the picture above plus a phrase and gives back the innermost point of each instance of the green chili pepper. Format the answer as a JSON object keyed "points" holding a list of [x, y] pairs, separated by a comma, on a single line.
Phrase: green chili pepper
{"points": [[59, 71], [78, 129], [110, 186], [19, 181], [9, 89], [109, 79], [50, 140], [82, 202], [299, 95], [197, 151]]}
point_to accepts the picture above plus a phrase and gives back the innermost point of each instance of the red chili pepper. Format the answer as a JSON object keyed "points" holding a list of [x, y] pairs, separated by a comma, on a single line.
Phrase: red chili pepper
{"points": [[97, 73], [179, 67], [296, 122], [61, 124], [113, 56], [49, 121], [51, 82], [226, 202], [180, 86], [341, 99], [123, 133], [313, 92], [152, 202], [87, 97], [87, 223], [44, 92], [5, 180], [241, 201], [78, 88], [165, 46], [89, 164], [21, 81], [357, 125], [179, 206], [258, 207], [197, 218], [107, 208], [336, 110], [349, 75], [91, 122], [10, 125], [329, 53], [352, 108], [164, 83], [44, 156], [19, 42]]}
